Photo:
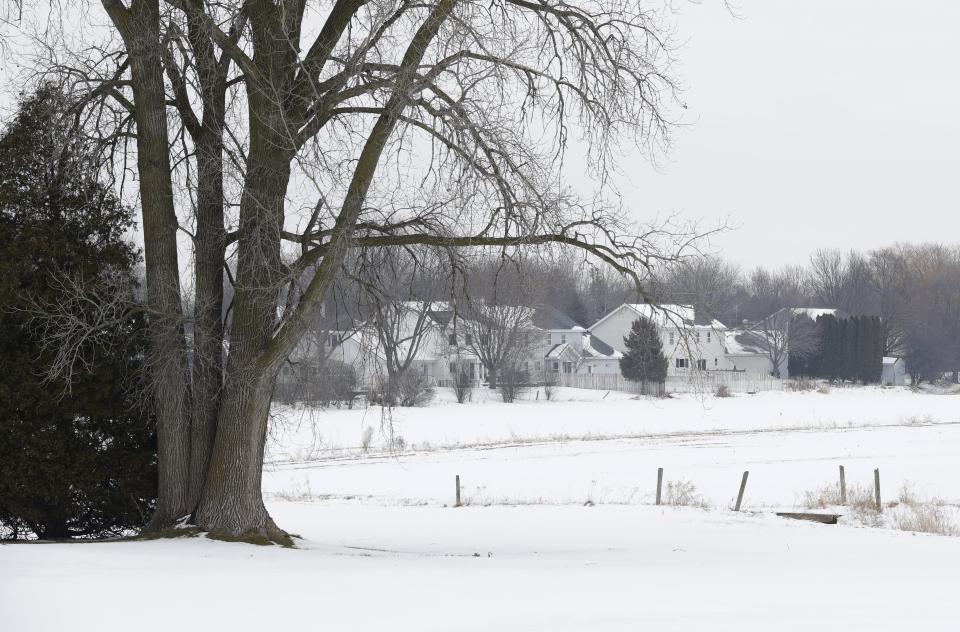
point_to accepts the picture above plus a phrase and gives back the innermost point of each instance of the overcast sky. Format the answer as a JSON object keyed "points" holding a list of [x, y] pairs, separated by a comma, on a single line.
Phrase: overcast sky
{"points": [[815, 123], [821, 123]]}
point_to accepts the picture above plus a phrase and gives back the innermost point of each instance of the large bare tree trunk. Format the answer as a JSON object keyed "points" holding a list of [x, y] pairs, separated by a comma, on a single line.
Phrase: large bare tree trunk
{"points": [[140, 31], [208, 330], [232, 502]]}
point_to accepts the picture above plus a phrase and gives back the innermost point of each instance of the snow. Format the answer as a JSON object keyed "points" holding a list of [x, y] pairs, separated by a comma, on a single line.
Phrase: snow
{"points": [[536, 568], [304, 434], [382, 547]]}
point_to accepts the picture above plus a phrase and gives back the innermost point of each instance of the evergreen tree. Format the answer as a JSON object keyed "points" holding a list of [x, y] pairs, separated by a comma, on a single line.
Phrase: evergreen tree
{"points": [[76, 459], [830, 362], [644, 360]]}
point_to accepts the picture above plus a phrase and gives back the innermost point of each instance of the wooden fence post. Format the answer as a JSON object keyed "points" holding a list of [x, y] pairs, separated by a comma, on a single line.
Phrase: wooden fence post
{"points": [[876, 488], [659, 482], [458, 491], [743, 486], [843, 487]]}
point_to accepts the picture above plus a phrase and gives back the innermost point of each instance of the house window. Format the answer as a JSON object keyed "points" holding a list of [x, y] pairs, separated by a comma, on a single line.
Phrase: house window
{"points": [[453, 368], [468, 339], [714, 362], [568, 367], [536, 366], [698, 336], [526, 366], [681, 363], [589, 368], [563, 338], [484, 339], [333, 340], [452, 339], [546, 339], [702, 365], [423, 368], [556, 366], [708, 336], [671, 337]]}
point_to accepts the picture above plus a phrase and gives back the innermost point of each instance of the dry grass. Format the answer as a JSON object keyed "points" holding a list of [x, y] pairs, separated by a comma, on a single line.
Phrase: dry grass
{"points": [[824, 389], [826, 496], [913, 513], [908, 512], [723, 391], [800, 385], [930, 517], [682, 494]]}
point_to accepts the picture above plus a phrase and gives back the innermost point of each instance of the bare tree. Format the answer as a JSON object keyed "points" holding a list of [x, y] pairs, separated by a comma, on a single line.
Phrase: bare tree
{"points": [[500, 335], [258, 115], [785, 333], [707, 283], [398, 290]]}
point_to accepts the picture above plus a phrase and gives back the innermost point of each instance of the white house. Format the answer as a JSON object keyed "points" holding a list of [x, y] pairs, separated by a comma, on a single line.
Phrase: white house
{"points": [[746, 350], [687, 344], [571, 349]]}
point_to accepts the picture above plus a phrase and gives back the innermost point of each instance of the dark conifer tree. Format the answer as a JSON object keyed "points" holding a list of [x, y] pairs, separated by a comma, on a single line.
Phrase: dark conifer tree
{"points": [[644, 360], [76, 459]]}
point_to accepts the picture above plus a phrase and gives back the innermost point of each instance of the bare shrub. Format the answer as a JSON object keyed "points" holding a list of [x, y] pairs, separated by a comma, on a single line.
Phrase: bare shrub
{"points": [[366, 438], [408, 389], [801, 385], [513, 382], [462, 382], [337, 384], [683, 494], [549, 389], [824, 390], [723, 391], [414, 389]]}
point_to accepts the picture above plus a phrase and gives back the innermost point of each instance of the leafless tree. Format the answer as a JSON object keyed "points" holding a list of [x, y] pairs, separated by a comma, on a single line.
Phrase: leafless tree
{"points": [[785, 333], [396, 124], [500, 335], [398, 291], [707, 283]]}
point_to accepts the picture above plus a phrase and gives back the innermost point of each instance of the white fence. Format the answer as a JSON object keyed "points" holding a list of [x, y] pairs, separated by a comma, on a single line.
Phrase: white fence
{"points": [[696, 382]]}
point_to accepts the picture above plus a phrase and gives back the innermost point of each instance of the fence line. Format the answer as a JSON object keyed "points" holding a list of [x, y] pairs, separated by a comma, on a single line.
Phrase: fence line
{"points": [[696, 382]]}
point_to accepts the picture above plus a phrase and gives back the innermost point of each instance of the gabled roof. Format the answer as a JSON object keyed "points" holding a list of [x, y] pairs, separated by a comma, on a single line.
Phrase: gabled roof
{"points": [[744, 342], [662, 315], [549, 317], [561, 350]]}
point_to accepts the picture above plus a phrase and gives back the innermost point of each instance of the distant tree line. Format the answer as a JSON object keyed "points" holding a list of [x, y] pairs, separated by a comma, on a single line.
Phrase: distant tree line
{"points": [[914, 289]]}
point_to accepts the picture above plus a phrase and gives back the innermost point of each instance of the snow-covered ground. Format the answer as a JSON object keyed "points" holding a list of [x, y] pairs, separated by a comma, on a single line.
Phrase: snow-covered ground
{"points": [[383, 549]]}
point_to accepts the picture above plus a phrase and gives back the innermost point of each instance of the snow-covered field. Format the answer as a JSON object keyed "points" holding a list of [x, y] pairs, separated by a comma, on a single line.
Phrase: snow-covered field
{"points": [[383, 549]]}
